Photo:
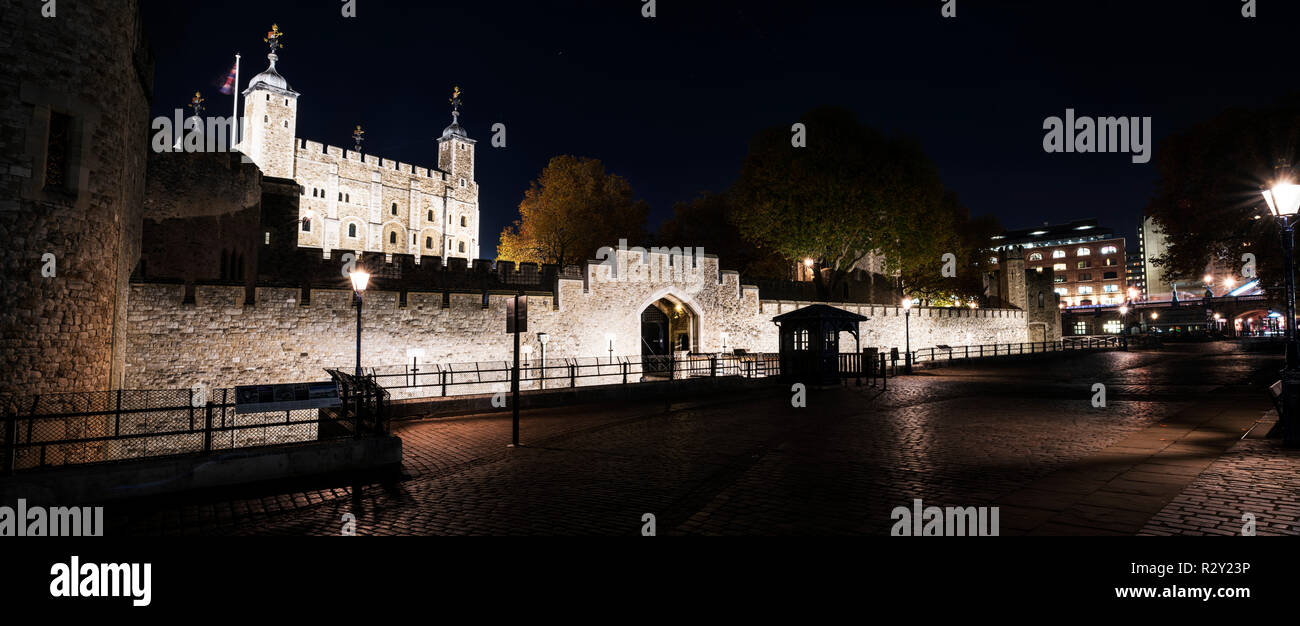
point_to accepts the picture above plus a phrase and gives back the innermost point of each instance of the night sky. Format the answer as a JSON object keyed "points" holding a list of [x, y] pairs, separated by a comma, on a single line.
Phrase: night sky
{"points": [[671, 102]]}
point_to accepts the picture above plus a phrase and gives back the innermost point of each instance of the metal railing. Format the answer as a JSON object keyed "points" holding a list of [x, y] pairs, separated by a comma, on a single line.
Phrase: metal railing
{"points": [[412, 381], [92, 427]]}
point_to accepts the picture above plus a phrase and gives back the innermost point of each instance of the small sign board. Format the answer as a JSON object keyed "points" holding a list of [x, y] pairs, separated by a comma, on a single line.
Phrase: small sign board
{"points": [[286, 397], [893, 354], [517, 314]]}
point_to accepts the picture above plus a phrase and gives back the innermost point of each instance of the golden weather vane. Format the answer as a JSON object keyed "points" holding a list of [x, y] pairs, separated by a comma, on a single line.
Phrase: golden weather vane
{"points": [[196, 103], [358, 137], [273, 38]]}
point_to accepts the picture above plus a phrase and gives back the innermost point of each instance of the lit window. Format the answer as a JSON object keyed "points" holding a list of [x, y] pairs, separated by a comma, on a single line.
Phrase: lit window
{"points": [[1112, 326], [1058, 254], [1062, 291], [1109, 250], [993, 260], [1083, 265], [801, 340], [1085, 289], [1060, 267], [1037, 256], [1081, 328], [1111, 288], [1083, 252]]}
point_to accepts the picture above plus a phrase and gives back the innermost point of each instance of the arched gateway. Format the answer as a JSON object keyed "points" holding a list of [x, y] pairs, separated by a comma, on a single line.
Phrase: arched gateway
{"points": [[668, 326]]}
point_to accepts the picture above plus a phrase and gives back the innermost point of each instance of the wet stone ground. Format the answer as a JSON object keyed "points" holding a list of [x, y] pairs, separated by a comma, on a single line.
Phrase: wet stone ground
{"points": [[1020, 434]]}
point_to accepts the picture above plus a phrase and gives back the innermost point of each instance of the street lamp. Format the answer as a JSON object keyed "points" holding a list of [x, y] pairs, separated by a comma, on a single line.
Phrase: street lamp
{"points": [[907, 335], [1283, 200], [542, 338], [1123, 320], [359, 281]]}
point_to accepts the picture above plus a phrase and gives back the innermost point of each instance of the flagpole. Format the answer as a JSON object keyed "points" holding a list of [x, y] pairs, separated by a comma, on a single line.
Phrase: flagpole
{"points": [[234, 126]]}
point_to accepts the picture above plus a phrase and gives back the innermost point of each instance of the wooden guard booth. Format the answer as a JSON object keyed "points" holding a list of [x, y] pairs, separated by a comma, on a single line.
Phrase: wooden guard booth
{"points": [[810, 342]]}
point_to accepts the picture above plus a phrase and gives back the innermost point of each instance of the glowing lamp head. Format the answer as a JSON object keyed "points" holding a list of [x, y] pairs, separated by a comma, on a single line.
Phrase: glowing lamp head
{"points": [[1283, 198], [907, 304], [359, 280], [1155, 315], [1229, 283], [1209, 279], [808, 262], [1123, 310]]}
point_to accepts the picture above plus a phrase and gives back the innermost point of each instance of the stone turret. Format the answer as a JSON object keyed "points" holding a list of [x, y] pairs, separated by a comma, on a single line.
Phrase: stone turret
{"points": [[271, 118]]}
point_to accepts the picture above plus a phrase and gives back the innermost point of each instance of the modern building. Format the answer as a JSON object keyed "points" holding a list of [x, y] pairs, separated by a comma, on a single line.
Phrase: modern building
{"points": [[1135, 272], [1087, 260]]}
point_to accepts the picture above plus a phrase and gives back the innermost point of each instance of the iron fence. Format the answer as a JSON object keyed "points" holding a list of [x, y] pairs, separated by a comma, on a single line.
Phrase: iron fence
{"points": [[91, 427]]}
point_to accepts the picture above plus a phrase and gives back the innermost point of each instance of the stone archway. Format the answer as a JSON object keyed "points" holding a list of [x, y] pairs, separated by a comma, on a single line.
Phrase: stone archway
{"points": [[668, 326]]}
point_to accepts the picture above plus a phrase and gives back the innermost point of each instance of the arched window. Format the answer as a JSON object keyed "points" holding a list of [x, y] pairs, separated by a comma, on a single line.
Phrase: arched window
{"points": [[392, 237], [1037, 256], [428, 242], [462, 246], [462, 221], [306, 224], [1083, 252], [394, 208], [1040, 300], [430, 215], [1058, 254], [352, 230]]}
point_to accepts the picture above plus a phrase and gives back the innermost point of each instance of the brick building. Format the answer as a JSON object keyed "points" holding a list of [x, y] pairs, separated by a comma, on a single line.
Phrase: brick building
{"points": [[1087, 260]]}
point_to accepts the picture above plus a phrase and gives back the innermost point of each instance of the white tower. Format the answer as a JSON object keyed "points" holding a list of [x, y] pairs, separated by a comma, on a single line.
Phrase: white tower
{"points": [[271, 116]]}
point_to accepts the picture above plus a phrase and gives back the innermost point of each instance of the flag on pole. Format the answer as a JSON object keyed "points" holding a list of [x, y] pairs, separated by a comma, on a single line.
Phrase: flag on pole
{"points": [[229, 86]]}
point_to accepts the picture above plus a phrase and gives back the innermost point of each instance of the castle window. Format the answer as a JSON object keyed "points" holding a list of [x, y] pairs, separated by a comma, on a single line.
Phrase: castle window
{"points": [[352, 230], [286, 102], [306, 224], [57, 143], [286, 123], [268, 97], [347, 197], [267, 240], [462, 220], [462, 246], [428, 242], [392, 237], [462, 182], [340, 197], [431, 216], [1040, 300], [394, 208], [266, 119]]}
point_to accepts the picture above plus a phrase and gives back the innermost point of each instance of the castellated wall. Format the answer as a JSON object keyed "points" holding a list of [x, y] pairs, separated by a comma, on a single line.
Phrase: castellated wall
{"points": [[220, 342], [434, 215]]}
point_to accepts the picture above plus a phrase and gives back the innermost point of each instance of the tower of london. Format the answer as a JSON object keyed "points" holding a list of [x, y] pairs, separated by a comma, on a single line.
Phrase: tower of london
{"points": [[359, 202]]}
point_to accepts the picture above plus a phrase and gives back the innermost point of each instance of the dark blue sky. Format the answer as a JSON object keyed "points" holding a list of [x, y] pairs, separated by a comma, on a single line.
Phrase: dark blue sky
{"points": [[671, 102]]}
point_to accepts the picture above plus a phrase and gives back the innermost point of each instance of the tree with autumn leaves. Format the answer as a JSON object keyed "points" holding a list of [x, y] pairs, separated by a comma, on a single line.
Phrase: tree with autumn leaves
{"points": [[851, 192], [569, 212]]}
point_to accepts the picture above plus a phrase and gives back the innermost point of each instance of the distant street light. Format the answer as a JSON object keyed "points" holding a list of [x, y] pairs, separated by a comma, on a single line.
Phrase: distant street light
{"points": [[359, 281], [1283, 200], [907, 336], [1123, 320]]}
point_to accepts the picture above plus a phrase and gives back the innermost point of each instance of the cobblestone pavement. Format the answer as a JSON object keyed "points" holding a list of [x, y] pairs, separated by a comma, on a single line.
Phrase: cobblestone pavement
{"points": [[1020, 434]]}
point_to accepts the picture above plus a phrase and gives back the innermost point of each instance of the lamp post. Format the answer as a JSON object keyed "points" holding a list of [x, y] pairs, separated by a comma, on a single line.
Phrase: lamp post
{"points": [[1283, 200], [610, 338], [359, 281], [907, 335], [542, 338], [1123, 322]]}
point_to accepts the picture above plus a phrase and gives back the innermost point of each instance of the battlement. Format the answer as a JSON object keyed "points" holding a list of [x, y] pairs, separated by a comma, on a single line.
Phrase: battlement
{"points": [[314, 150]]}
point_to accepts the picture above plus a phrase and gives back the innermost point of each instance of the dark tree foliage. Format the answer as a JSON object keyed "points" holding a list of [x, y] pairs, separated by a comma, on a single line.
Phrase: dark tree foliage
{"points": [[707, 222], [1208, 200]]}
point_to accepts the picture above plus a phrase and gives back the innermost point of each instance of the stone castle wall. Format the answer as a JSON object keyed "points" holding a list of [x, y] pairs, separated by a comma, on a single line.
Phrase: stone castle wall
{"points": [[218, 341], [78, 87]]}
